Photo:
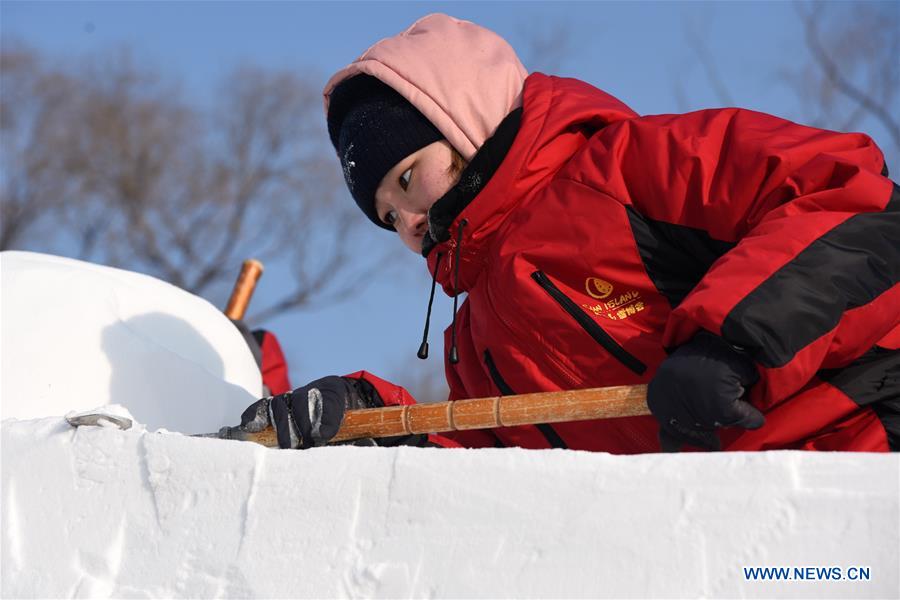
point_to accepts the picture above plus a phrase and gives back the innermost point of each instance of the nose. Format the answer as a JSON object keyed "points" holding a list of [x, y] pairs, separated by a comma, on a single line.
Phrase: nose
{"points": [[415, 223]]}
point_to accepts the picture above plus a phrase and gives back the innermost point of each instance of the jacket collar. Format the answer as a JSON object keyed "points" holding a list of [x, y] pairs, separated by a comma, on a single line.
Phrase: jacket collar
{"points": [[472, 181], [557, 118]]}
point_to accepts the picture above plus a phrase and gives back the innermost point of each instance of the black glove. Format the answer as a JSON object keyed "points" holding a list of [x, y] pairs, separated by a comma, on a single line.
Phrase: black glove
{"points": [[310, 415], [698, 388]]}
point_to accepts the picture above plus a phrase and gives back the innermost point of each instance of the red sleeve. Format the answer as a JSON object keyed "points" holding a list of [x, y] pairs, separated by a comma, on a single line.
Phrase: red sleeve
{"points": [[892, 340], [274, 367], [443, 441], [812, 273], [473, 438], [394, 395], [391, 394]]}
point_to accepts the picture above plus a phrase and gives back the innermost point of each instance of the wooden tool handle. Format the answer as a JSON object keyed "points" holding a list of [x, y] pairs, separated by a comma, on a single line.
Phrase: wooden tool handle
{"points": [[251, 271], [484, 413], [497, 411]]}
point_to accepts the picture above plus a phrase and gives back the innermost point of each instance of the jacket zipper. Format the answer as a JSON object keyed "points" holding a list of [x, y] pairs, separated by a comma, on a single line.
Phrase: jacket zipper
{"points": [[549, 433], [498, 380], [589, 325]]}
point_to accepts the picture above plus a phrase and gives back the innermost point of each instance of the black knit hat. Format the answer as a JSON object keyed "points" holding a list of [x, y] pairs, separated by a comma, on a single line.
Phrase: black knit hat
{"points": [[373, 127]]}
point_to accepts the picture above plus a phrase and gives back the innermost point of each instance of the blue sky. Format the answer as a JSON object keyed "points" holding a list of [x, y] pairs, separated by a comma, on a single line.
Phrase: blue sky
{"points": [[632, 49], [636, 51]]}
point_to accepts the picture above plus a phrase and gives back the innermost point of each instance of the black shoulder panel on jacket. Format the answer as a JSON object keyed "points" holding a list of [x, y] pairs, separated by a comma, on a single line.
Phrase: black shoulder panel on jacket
{"points": [[675, 257], [873, 380], [849, 266]]}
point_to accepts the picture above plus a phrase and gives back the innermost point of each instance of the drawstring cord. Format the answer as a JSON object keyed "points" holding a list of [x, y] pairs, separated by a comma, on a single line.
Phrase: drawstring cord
{"points": [[423, 349], [454, 354]]}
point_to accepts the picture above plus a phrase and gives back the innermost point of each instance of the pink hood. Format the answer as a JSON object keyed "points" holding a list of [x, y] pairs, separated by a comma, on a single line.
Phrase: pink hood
{"points": [[465, 99]]}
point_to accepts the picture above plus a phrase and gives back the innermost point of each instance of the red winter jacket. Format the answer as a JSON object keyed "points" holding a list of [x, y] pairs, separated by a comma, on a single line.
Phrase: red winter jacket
{"points": [[272, 366], [591, 240]]}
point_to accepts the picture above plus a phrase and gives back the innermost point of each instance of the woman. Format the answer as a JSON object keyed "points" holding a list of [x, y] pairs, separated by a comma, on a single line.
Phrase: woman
{"points": [[744, 266]]}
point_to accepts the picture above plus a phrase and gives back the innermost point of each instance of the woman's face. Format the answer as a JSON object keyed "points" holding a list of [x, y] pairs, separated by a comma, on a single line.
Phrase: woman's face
{"points": [[409, 189]]}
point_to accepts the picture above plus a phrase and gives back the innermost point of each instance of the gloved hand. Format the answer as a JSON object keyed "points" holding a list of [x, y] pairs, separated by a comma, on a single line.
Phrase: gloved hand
{"points": [[698, 388], [310, 415]]}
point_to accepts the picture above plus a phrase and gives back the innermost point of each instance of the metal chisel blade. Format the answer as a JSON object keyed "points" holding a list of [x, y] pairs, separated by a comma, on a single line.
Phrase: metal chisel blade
{"points": [[99, 420]]}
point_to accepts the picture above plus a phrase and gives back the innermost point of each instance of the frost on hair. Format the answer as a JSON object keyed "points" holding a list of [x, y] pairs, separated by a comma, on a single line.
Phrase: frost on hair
{"points": [[348, 166]]}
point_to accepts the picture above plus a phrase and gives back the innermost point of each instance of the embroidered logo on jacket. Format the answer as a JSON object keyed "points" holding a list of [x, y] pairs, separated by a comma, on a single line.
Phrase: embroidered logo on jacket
{"points": [[618, 307], [598, 288]]}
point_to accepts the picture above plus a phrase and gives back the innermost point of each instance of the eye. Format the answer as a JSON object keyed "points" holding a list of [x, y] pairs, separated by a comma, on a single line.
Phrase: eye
{"points": [[403, 180], [390, 217]]}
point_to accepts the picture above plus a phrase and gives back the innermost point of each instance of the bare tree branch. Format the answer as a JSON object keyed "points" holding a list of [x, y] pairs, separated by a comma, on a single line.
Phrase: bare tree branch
{"points": [[33, 110], [545, 46], [697, 43], [125, 172], [853, 85], [867, 103]]}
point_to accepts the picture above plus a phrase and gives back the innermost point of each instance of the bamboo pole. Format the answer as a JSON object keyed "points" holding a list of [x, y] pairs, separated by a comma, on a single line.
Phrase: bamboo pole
{"points": [[477, 413], [243, 289]]}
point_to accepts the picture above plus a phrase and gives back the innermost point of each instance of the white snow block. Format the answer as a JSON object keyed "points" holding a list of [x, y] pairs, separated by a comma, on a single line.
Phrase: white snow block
{"points": [[76, 335], [106, 513]]}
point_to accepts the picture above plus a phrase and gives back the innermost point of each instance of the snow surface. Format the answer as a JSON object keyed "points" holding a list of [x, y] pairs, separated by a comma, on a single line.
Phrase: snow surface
{"points": [[98, 512], [76, 335]]}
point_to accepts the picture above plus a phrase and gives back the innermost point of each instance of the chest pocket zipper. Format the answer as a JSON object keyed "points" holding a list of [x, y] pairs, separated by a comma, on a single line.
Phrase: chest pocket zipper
{"points": [[548, 432], [589, 325]]}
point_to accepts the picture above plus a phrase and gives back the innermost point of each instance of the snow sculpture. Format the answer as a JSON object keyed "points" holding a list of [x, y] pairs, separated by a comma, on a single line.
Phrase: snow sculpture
{"points": [[76, 335]]}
